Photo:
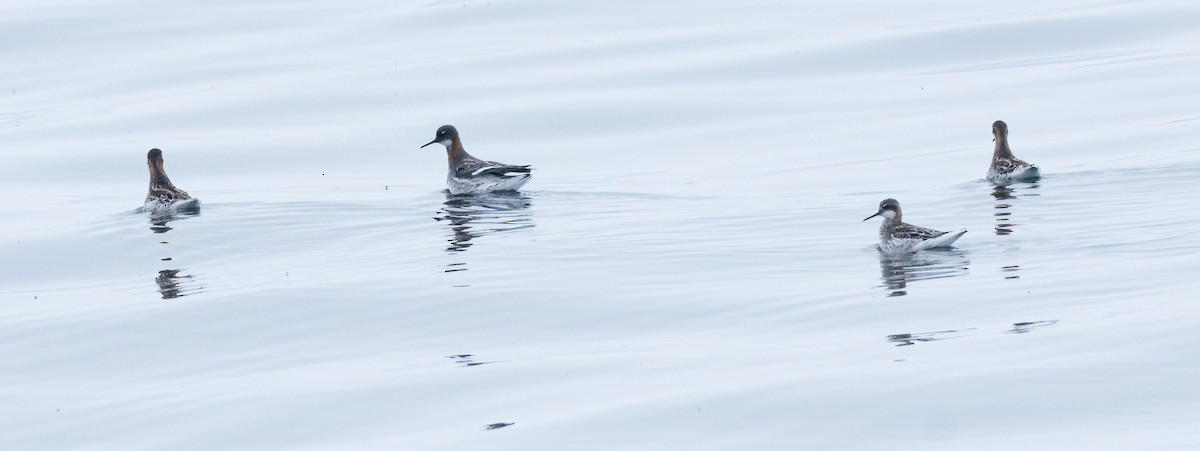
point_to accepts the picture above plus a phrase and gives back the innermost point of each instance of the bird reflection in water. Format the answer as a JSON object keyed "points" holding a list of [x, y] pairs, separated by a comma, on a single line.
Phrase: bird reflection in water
{"points": [[1005, 195], [158, 222], [910, 339], [470, 217], [1028, 326], [171, 284], [159, 226], [897, 271]]}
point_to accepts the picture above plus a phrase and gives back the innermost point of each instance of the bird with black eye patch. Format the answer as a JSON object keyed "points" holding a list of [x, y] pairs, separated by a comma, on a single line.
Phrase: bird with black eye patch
{"points": [[897, 237], [163, 198], [470, 175], [1007, 168]]}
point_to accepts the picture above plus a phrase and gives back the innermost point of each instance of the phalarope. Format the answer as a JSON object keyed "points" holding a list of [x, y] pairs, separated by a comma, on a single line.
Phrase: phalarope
{"points": [[897, 237], [470, 175], [164, 198], [1007, 168]]}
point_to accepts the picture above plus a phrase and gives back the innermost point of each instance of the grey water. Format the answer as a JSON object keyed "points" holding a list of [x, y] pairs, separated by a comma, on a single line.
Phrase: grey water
{"points": [[688, 268]]}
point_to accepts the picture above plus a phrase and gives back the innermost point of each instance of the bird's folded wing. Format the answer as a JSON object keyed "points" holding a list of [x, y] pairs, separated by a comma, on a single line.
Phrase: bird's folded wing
{"points": [[912, 231], [499, 169]]}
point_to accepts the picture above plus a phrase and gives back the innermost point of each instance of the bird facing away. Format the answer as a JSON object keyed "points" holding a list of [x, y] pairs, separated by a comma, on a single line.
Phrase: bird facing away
{"points": [[164, 198], [897, 237], [470, 175], [1005, 167]]}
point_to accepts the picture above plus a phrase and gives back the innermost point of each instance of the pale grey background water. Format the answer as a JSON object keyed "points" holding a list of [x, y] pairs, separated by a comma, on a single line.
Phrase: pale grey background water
{"points": [[688, 268]]}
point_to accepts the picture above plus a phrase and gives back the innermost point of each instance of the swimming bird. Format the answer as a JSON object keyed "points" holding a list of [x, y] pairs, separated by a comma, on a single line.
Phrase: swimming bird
{"points": [[164, 198], [1007, 168], [470, 175], [897, 237]]}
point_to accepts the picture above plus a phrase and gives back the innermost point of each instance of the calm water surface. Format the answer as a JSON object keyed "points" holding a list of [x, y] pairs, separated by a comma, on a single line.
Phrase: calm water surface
{"points": [[688, 268]]}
